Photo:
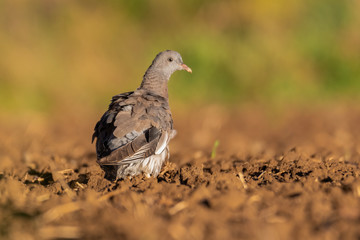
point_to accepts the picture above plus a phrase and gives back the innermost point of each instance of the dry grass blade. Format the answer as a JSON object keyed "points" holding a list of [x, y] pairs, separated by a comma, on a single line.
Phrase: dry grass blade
{"points": [[65, 171], [242, 179], [59, 211], [60, 232], [178, 207], [80, 185]]}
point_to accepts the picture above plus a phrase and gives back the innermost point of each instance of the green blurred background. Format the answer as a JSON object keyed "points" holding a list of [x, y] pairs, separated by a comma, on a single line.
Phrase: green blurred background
{"points": [[61, 53]]}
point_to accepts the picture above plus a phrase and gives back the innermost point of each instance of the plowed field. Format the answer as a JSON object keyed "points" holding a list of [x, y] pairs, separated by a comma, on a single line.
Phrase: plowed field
{"points": [[275, 175]]}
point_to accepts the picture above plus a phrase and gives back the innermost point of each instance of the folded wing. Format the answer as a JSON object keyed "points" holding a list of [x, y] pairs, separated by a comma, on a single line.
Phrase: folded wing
{"points": [[127, 132]]}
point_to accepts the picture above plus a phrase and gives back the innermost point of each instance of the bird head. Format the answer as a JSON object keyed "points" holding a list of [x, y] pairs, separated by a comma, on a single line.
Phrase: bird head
{"points": [[168, 62]]}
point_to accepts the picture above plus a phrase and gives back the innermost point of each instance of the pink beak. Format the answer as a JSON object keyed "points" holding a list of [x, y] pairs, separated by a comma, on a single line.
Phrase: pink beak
{"points": [[186, 68]]}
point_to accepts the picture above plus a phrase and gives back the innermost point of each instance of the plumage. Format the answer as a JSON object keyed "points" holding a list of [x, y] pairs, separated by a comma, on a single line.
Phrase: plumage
{"points": [[132, 136]]}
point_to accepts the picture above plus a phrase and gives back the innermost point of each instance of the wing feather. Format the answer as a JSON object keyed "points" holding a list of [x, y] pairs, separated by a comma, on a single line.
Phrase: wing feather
{"points": [[141, 147]]}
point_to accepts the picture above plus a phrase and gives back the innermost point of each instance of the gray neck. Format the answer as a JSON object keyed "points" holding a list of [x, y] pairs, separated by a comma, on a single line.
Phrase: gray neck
{"points": [[155, 82]]}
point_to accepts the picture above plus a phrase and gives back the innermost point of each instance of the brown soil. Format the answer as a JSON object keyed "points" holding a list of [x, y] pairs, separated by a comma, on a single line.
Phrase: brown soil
{"points": [[275, 175]]}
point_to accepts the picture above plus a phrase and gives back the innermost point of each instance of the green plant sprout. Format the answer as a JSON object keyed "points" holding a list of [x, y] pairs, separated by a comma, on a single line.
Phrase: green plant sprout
{"points": [[213, 152]]}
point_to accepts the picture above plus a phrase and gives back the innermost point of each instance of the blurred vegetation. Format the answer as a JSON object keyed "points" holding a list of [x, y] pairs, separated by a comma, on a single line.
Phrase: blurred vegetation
{"points": [[79, 53]]}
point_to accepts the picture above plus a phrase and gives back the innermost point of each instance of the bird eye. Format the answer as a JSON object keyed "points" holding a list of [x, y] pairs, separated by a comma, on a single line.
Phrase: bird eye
{"points": [[170, 59]]}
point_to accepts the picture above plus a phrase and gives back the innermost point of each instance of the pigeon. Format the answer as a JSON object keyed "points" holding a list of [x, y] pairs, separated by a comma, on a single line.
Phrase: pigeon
{"points": [[132, 136]]}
